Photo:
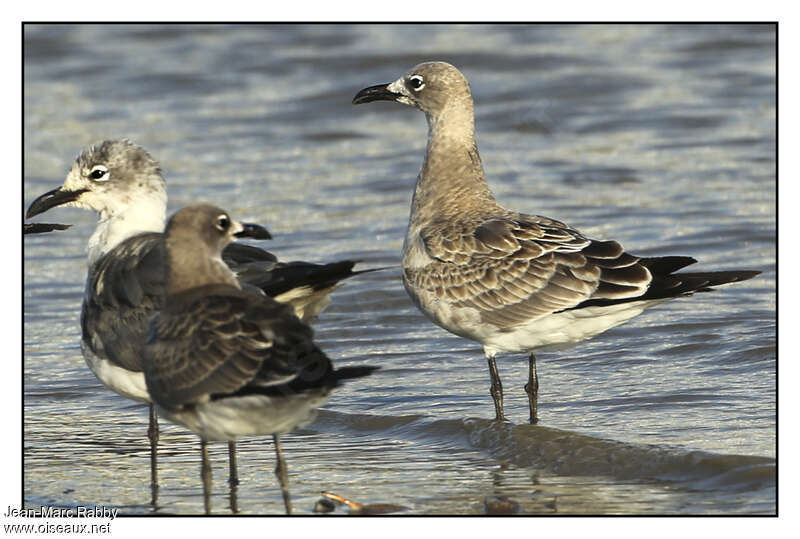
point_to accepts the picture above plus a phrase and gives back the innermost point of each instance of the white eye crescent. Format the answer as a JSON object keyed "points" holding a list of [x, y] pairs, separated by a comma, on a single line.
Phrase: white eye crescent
{"points": [[223, 222], [99, 173], [416, 82]]}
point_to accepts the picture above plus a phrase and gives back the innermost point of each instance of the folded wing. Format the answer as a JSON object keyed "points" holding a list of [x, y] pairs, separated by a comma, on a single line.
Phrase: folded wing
{"points": [[219, 341], [520, 267]]}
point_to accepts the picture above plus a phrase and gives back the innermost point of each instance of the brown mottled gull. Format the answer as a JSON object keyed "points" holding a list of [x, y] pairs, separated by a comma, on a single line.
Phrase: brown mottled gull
{"points": [[511, 281]]}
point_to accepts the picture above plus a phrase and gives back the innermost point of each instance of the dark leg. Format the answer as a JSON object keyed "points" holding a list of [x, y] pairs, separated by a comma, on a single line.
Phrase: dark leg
{"points": [[152, 435], [233, 477], [205, 473], [234, 499], [496, 390], [532, 388], [283, 476]]}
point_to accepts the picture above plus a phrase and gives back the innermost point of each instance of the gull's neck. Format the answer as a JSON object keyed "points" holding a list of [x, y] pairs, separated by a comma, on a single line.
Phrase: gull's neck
{"points": [[190, 266], [116, 224], [451, 181]]}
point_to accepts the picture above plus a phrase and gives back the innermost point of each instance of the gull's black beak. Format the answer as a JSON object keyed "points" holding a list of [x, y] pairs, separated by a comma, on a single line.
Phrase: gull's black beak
{"points": [[51, 199], [380, 92], [41, 228], [257, 232]]}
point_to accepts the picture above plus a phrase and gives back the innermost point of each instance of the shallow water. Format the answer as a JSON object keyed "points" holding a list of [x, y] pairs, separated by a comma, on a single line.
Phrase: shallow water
{"points": [[662, 137]]}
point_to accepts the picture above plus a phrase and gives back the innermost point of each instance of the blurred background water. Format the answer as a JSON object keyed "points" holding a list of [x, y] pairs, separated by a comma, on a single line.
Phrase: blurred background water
{"points": [[659, 136]]}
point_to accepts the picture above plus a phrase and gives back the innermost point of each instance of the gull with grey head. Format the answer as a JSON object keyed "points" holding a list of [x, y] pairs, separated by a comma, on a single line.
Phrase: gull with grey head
{"points": [[125, 284]]}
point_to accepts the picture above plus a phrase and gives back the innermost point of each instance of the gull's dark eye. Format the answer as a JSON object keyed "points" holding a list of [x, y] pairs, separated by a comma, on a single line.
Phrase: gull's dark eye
{"points": [[99, 172], [416, 82], [223, 222]]}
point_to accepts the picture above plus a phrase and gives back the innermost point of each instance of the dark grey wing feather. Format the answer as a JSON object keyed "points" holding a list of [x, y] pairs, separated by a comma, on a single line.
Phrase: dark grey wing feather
{"points": [[261, 269], [283, 277], [303, 285], [123, 290], [238, 254], [217, 341]]}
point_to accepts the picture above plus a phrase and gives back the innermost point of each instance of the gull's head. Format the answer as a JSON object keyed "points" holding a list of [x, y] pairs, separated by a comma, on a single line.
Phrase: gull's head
{"points": [[205, 229], [432, 87], [195, 237], [109, 178]]}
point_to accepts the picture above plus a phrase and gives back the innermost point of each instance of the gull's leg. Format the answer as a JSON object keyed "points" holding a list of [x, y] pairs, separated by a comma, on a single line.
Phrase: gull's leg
{"points": [[152, 435], [205, 473], [233, 477], [283, 476], [532, 388], [234, 499], [233, 474], [497, 389]]}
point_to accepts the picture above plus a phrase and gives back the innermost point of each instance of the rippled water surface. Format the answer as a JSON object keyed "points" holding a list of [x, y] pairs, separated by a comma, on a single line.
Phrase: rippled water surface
{"points": [[661, 137]]}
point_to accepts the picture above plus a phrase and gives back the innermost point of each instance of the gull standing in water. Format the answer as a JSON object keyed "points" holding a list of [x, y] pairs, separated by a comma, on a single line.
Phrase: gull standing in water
{"points": [[226, 362], [511, 281], [125, 283]]}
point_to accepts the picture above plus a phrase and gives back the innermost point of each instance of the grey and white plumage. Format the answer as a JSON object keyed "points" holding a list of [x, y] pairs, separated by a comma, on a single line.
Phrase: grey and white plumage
{"points": [[223, 361], [123, 184], [125, 283], [513, 282]]}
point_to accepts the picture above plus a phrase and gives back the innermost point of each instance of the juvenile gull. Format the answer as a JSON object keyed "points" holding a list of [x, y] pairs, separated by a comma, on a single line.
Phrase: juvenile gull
{"points": [[511, 281], [226, 362], [125, 282]]}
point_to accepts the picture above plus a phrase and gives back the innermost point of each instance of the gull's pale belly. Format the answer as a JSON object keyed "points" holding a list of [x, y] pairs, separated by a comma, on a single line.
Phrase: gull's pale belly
{"points": [[550, 331], [127, 383], [252, 415]]}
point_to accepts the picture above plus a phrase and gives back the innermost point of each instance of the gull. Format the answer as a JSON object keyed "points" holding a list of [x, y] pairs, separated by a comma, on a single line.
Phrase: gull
{"points": [[125, 283], [511, 281], [226, 362]]}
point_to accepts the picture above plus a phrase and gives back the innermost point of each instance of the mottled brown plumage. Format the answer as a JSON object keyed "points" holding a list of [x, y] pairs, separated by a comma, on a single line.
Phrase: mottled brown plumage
{"points": [[224, 361], [511, 281]]}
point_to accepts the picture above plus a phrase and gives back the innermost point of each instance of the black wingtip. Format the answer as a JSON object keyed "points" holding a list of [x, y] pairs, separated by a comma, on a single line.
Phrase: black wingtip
{"points": [[664, 265], [716, 278], [370, 270], [743, 275], [286, 276]]}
